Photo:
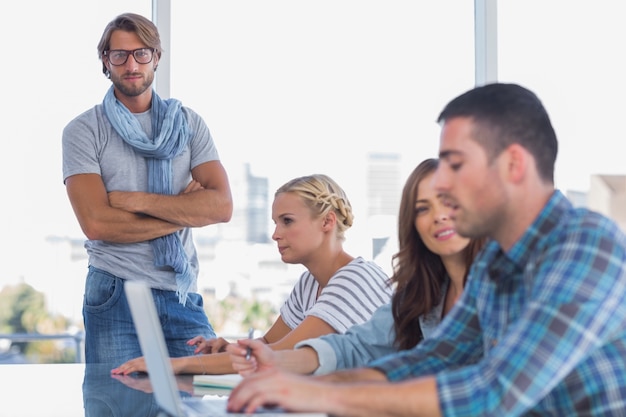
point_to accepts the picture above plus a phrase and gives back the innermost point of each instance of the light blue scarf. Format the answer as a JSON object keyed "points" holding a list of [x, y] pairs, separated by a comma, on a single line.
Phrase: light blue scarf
{"points": [[171, 135]]}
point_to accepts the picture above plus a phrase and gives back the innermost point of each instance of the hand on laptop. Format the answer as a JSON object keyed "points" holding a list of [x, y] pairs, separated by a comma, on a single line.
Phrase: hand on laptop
{"points": [[276, 388], [203, 345]]}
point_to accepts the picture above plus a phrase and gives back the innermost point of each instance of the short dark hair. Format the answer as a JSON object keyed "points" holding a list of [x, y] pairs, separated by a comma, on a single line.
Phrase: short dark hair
{"points": [[505, 114], [130, 22]]}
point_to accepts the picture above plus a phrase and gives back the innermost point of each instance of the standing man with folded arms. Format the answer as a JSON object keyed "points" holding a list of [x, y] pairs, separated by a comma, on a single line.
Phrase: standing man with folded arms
{"points": [[141, 172], [541, 326]]}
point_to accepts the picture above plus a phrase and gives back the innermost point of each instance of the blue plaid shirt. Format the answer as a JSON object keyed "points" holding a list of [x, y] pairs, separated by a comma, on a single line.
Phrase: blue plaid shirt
{"points": [[540, 329]]}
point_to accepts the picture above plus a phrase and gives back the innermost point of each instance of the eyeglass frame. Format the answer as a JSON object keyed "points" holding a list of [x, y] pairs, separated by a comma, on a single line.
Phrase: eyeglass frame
{"points": [[129, 53]]}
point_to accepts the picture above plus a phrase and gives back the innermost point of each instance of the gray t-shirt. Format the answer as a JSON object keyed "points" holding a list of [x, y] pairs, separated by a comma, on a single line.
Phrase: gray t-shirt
{"points": [[92, 146]]}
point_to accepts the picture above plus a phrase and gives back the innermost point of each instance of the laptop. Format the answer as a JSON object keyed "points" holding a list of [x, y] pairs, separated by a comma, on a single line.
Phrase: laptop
{"points": [[159, 367]]}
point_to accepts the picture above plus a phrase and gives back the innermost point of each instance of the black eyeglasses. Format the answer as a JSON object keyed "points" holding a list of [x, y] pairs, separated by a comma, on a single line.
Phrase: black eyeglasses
{"points": [[120, 56]]}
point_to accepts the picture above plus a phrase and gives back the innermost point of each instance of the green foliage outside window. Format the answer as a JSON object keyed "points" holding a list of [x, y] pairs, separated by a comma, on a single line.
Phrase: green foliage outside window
{"points": [[23, 310]]}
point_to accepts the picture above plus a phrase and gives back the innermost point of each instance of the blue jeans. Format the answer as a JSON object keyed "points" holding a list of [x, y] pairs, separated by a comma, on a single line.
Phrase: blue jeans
{"points": [[110, 335]]}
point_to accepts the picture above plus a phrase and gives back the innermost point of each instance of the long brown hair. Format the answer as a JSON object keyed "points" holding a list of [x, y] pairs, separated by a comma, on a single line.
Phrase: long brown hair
{"points": [[419, 274]]}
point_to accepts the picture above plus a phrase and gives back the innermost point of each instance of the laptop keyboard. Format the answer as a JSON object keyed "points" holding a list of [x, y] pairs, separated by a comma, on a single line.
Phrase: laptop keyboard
{"points": [[205, 408], [217, 408]]}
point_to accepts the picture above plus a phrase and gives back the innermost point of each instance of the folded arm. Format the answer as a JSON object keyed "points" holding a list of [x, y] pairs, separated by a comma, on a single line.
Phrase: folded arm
{"points": [[207, 199], [101, 221], [129, 217]]}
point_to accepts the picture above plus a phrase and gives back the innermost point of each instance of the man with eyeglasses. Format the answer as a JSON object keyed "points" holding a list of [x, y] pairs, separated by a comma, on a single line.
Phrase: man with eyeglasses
{"points": [[140, 173]]}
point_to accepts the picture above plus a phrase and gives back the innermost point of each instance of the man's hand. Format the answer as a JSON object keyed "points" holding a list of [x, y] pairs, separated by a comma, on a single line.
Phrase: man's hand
{"points": [[132, 201], [192, 186]]}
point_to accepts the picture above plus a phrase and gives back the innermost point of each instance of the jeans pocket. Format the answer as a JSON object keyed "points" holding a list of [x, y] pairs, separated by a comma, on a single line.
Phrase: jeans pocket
{"points": [[195, 302], [102, 290]]}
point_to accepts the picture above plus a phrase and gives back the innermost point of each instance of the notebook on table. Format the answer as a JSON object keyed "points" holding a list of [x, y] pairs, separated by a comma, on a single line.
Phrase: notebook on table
{"points": [[215, 384], [159, 367]]}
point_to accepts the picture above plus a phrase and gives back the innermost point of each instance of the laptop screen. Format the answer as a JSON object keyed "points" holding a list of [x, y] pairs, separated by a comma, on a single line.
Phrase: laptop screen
{"points": [[153, 347]]}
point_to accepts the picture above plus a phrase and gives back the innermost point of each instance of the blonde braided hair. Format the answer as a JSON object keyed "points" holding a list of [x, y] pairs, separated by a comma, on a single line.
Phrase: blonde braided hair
{"points": [[321, 194]]}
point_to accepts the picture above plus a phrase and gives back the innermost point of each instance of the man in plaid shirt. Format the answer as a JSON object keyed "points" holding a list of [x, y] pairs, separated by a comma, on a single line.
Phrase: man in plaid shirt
{"points": [[541, 326]]}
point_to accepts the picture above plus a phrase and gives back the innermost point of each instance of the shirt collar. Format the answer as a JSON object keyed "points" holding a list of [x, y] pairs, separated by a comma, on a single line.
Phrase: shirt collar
{"points": [[506, 264]]}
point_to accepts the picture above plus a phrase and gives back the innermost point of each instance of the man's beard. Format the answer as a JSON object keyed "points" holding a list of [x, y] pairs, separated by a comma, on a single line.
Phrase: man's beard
{"points": [[131, 91]]}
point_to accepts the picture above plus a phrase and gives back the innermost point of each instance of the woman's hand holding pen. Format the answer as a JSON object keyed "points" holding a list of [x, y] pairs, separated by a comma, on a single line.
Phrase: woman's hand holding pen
{"points": [[261, 356]]}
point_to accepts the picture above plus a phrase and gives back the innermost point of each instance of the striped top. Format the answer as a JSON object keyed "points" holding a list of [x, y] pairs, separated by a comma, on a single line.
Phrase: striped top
{"points": [[350, 297]]}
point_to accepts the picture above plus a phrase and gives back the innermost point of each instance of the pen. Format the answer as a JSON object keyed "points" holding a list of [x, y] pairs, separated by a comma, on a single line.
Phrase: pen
{"points": [[248, 349]]}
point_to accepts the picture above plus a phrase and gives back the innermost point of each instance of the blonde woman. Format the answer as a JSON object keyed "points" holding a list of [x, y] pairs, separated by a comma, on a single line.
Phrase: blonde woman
{"points": [[430, 271], [336, 291]]}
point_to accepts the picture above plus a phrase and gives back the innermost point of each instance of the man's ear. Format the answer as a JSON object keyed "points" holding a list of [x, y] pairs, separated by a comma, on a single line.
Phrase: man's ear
{"points": [[516, 163], [107, 65]]}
